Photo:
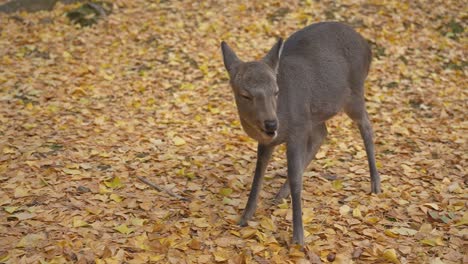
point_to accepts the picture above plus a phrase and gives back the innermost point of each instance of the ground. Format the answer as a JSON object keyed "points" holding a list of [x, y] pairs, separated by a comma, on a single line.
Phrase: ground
{"points": [[84, 111]]}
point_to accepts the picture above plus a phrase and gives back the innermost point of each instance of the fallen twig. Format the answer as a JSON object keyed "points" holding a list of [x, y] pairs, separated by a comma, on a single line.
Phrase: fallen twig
{"points": [[160, 189]]}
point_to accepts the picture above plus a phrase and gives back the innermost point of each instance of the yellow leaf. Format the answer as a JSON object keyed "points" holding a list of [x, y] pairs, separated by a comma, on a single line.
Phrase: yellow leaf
{"points": [[116, 183], [221, 255], [138, 221], [9, 150], [71, 171], [124, 229], [116, 198], [390, 233], [213, 110], [344, 210], [4, 257], [29, 126], [156, 258], [357, 213], [31, 240], [248, 232], [283, 205], [256, 247], [29, 106], [178, 141], [308, 215], [103, 189], [10, 209], [268, 224], [21, 192], [372, 220], [463, 221], [432, 205], [404, 231], [200, 222], [79, 223], [337, 184], [296, 251], [225, 191], [204, 68], [141, 242], [390, 255], [425, 228], [79, 92], [94, 210], [437, 241], [66, 55]]}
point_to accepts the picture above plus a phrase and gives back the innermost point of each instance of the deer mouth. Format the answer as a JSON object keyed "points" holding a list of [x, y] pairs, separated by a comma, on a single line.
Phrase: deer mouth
{"points": [[271, 134]]}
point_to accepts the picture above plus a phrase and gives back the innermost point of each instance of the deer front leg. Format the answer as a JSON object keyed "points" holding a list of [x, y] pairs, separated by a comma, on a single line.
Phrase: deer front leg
{"points": [[263, 157], [314, 146], [300, 151]]}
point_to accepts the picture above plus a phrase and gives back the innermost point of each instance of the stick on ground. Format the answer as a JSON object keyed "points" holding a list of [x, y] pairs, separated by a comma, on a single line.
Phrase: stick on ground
{"points": [[160, 189]]}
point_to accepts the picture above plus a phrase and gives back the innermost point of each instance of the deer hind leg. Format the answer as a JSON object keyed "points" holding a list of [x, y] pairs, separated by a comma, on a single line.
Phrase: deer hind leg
{"points": [[356, 110]]}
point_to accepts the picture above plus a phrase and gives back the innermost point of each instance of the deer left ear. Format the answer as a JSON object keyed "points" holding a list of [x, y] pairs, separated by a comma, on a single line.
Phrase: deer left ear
{"points": [[272, 58], [231, 61]]}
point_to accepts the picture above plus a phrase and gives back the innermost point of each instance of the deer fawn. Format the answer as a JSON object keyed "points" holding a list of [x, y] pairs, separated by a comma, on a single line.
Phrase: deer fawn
{"points": [[287, 96]]}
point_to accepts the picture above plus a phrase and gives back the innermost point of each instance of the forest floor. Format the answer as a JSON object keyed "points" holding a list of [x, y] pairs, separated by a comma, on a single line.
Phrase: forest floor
{"points": [[84, 111]]}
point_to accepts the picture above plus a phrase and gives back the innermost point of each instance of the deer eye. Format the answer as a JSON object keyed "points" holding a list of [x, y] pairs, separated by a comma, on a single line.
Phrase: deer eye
{"points": [[276, 93], [246, 97]]}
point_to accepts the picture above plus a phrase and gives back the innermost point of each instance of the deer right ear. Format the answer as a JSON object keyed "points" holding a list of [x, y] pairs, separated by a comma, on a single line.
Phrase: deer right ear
{"points": [[273, 56], [230, 58]]}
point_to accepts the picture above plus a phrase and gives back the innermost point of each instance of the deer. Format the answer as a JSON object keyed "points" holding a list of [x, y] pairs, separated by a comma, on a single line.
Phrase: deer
{"points": [[287, 96]]}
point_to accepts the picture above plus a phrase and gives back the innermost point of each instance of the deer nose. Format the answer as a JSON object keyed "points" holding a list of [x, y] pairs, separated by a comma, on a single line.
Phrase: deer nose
{"points": [[271, 125]]}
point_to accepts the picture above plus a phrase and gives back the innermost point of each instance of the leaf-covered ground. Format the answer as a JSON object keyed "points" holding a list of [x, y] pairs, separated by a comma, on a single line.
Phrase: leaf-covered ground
{"points": [[83, 111]]}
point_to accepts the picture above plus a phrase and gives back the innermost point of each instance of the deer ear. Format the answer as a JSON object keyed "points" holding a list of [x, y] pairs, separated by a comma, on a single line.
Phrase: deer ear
{"points": [[272, 58], [230, 58]]}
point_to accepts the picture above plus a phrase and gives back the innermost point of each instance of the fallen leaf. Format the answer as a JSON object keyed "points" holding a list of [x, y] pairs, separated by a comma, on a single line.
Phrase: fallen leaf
{"points": [[344, 210], [21, 192], [116, 198], [71, 171], [115, 183], [268, 224], [10, 209], [390, 255], [178, 141], [225, 191], [435, 241], [31, 240], [79, 222], [124, 229]]}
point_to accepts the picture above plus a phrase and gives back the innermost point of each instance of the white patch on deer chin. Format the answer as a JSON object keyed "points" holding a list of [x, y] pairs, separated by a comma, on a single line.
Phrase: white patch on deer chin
{"points": [[274, 135], [265, 138]]}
